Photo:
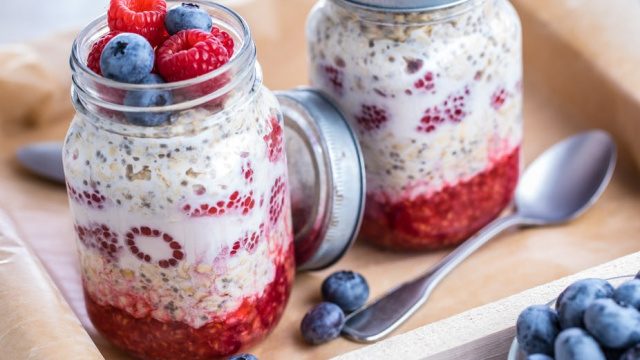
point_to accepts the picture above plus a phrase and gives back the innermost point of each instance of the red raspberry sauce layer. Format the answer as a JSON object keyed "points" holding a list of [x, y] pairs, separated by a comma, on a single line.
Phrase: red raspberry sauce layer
{"points": [[148, 338], [445, 218]]}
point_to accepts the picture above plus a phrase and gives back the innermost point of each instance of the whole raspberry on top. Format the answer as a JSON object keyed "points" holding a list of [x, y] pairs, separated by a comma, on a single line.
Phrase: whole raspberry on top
{"points": [[190, 53], [93, 60], [143, 17]]}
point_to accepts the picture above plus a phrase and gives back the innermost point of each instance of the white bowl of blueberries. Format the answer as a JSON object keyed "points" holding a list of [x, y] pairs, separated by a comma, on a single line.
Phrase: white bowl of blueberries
{"points": [[590, 320]]}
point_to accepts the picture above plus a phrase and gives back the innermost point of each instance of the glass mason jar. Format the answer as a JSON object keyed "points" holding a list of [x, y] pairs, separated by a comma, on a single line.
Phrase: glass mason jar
{"points": [[434, 91], [184, 230]]}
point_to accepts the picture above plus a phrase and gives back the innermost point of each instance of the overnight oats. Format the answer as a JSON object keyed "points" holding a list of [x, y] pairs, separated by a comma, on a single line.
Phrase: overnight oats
{"points": [[177, 181], [435, 95]]}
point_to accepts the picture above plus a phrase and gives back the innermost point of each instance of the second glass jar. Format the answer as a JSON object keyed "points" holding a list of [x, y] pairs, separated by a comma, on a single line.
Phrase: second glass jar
{"points": [[435, 95]]}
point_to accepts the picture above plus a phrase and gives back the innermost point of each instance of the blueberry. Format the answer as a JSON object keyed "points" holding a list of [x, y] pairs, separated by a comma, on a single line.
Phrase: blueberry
{"points": [[539, 357], [638, 275], [575, 299], [537, 328], [347, 289], [614, 326], [127, 58], [148, 98], [243, 357], [628, 294], [631, 354], [322, 323], [187, 16], [576, 344]]}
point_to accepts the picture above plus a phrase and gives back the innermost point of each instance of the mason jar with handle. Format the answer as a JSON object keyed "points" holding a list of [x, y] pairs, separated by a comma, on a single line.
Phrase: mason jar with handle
{"points": [[433, 89], [184, 230]]}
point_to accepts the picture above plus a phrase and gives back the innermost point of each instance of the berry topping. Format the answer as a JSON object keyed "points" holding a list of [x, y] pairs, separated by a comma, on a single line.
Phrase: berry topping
{"points": [[347, 289], [127, 58], [93, 60], [372, 117], [142, 17], [190, 53], [187, 16], [576, 344], [453, 109], [631, 354], [628, 294], [537, 328], [173, 248], [276, 200], [101, 238], [243, 203], [614, 326], [91, 198], [274, 140], [322, 323], [539, 357], [148, 98], [575, 299], [224, 38], [498, 98], [243, 357]]}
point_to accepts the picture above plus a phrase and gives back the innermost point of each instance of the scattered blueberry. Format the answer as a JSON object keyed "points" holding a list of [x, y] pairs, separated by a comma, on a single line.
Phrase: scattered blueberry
{"points": [[628, 294], [322, 323], [631, 354], [148, 98], [347, 289], [127, 58], [577, 297], [576, 344], [187, 16], [539, 357], [243, 357], [638, 275], [614, 326], [537, 328]]}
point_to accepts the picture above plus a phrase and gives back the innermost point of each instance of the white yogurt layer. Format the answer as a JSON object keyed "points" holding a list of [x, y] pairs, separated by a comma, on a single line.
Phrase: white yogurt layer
{"points": [[380, 65], [152, 182]]}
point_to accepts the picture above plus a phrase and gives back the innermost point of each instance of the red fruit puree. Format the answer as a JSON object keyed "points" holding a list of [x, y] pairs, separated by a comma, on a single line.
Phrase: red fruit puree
{"points": [[444, 218]]}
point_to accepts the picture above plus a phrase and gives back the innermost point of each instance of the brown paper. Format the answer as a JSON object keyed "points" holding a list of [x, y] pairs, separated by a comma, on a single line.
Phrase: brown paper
{"points": [[35, 320]]}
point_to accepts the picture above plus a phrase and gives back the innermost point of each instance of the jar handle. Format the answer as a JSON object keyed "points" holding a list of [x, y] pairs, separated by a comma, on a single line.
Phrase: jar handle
{"points": [[327, 177]]}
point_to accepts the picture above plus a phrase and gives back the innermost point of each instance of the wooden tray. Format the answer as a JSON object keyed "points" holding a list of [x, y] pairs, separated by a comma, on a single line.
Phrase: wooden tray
{"points": [[513, 263]]}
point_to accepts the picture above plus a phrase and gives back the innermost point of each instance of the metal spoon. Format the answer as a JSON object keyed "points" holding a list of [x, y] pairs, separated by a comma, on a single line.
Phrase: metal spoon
{"points": [[559, 186]]}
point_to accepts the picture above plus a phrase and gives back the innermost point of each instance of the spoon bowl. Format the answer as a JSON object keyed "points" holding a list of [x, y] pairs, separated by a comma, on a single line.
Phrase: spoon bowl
{"points": [[567, 179]]}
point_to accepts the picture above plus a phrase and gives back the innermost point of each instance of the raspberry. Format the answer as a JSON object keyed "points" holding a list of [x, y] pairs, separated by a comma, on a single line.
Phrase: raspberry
{"points": [[427, 82], [243, 203], [247, 172], [99, 237], [498, 98], [143, 17], [276, 200], [335, 77], [225, 39], [174, 248], [190, 53], [453, 109], [91, 198], [372, 117], [93, 60], [274, 140], [248, 242]]}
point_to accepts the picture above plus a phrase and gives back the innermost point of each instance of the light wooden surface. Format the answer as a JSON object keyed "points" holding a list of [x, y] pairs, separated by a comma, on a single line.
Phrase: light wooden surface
{"points": [[511, 264], [485, 332]]}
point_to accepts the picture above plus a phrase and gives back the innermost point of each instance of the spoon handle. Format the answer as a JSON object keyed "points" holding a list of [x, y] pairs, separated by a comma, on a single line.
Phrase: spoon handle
{"points": [[385, 314]]}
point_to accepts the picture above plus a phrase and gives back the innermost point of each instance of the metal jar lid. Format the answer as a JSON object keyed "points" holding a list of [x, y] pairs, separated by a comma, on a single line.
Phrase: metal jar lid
{"points": [[326, 177], [407, 5]]}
